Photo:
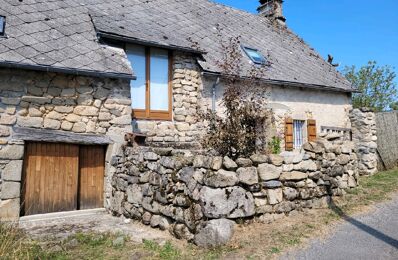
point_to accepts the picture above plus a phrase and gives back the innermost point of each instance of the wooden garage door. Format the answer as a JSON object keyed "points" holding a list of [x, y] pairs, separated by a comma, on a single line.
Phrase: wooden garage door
{"points": [[91, 179], [62, 177]]}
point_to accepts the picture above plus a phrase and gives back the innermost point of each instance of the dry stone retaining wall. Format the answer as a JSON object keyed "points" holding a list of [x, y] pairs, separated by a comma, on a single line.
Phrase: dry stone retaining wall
{"points": [[196, 196], [364, 135]]}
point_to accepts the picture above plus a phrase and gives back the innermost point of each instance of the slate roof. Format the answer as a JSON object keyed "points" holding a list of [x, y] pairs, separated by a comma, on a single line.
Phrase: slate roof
{"points": [[173, 22], [57, 36], [167, 23]]}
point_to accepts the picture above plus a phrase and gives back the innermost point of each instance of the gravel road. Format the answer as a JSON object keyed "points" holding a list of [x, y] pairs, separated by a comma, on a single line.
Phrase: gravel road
{"points": [[372, 236]]}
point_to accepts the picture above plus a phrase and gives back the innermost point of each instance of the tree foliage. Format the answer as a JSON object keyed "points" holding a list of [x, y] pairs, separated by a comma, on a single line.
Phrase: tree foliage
{"points": [[376, 84], [394, 105]]}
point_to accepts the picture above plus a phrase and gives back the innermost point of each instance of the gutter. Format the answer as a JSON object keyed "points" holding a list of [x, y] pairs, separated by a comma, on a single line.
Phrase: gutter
{"points": [[127, 39], [70, 71], [288, 83]]}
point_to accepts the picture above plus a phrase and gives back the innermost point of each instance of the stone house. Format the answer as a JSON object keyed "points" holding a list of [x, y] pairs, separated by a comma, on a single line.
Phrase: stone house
{"points": [[76, 76]]}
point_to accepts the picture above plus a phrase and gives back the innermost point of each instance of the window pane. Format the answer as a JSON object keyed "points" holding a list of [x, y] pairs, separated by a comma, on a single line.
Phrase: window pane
{"points": [[2, 20], [255, 55], [159, 83], [136, 56], [298, 133]]}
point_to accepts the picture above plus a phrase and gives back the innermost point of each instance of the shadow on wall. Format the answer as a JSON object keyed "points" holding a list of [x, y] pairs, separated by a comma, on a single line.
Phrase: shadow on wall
{"points": [[368, 229]]}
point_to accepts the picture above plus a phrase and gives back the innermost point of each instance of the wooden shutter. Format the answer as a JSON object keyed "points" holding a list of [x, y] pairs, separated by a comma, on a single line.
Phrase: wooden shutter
{"points": [[289, 134], [311, 130]]}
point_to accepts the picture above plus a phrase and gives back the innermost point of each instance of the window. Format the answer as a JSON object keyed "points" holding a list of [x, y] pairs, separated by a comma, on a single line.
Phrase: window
{"points": [[298, 133], [2, 25], [255, 55], [151, 91]]}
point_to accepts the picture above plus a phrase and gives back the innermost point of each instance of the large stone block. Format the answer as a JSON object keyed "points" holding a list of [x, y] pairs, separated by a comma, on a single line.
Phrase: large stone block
{"points": [[247, 175], [274, 196], [35, 122], [275, 159], [9, 210], [229, 164], [216, 232], [34, 112], [12, 152], [4, 131], [269, 172], [134, 194], [232, 202], [73, 118], [259, 158], [54, 115], [7, 119], [201, 161], [10, 100], [86, 111], [52, 124], [10, 190], [122, 120], [37, 100], [12, 171], [307, 165], [221, 179], [293, 176], [79, 127]]}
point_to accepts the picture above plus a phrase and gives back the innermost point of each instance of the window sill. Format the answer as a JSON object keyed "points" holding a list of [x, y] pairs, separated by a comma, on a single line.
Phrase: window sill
{"points": [[153, 116]]}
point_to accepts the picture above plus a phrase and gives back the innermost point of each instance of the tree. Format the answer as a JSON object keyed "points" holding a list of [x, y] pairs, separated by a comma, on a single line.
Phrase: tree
{"points": [[376, 84], [394, 106], [243, 128]]}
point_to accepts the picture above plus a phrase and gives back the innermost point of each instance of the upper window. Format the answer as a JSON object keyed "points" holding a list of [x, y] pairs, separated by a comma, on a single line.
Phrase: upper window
{"points": [[2, 25], [255, 55], [151, 91]]}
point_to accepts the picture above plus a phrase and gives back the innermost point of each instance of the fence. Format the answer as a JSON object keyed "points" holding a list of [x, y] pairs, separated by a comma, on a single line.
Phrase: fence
{"points": [[387, 138]]}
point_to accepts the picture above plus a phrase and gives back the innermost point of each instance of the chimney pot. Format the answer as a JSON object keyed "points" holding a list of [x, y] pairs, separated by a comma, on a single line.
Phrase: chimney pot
{"points": [[272, 9]]}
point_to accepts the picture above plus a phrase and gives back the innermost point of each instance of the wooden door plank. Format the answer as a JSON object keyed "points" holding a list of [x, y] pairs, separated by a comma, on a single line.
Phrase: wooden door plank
{"points": [[50, 178], [92, 161]]}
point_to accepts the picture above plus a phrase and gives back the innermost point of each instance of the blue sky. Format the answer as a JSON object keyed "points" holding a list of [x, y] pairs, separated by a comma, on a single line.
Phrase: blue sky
{"points": [[353, 31]]}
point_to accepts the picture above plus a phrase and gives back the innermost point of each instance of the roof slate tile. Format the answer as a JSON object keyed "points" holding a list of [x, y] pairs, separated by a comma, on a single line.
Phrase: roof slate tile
{"points": [[58, 35]]}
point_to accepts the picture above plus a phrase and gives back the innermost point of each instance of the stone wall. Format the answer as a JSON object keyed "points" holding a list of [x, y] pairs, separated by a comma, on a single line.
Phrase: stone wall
{"points": [[56, 102], [183, 129], [364, 135], [191, 193]]}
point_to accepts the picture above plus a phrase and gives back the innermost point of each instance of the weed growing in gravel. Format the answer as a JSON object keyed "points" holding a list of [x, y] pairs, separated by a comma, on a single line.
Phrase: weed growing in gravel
{"points": [[166, 252]]}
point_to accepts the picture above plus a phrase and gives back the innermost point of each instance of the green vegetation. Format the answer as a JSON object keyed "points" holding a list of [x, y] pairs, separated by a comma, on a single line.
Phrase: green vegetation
{"points": [[15, 245], [166, 252], [377, 86], [371, 190], [275, 145]]}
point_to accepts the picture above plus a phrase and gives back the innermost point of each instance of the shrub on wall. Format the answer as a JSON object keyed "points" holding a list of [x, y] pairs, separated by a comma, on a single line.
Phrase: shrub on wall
{"points": [[242, 129]]}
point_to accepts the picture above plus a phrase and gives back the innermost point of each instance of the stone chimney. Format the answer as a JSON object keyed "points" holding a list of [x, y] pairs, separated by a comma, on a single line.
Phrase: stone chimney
{"points": [[272, 9]]}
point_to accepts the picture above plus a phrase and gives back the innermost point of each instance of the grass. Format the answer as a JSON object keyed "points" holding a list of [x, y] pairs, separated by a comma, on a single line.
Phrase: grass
{"points": [[166, 252], [255, 241], [15, 245]]}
